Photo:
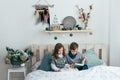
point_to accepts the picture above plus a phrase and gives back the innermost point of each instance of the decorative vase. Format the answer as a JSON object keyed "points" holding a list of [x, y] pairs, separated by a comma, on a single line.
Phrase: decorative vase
{"points": [[85, 26], [15, 61], [23, 64]]}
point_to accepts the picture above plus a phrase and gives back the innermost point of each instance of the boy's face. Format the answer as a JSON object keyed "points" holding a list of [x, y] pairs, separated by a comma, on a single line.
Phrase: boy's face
{"points": [[74, 51]]}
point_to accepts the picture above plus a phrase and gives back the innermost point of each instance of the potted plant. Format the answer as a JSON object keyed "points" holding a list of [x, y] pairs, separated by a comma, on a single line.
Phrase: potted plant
{"points": [[17, 57]]}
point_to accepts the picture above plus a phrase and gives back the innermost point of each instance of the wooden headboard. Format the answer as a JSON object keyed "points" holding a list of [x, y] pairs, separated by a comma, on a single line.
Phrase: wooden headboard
{"points": [[38, 50]]}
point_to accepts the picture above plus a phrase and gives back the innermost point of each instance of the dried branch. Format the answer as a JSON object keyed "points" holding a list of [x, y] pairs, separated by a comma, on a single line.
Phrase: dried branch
{"points": [[84, 17]]}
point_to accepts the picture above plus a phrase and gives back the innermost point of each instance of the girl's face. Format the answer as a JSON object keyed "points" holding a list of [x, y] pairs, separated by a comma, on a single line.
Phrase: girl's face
{"points": [[74, 51], [60, 51]]}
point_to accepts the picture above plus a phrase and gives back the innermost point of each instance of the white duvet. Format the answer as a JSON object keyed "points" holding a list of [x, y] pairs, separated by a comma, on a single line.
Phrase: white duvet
{"points": [[95, 73]]}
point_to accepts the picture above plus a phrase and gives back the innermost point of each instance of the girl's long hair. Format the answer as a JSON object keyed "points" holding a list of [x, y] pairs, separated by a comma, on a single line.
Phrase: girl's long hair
{"points": [[56, 49]]}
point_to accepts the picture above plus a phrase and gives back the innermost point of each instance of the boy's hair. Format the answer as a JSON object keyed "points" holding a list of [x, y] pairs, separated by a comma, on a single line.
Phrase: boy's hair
{"points": [[73, 46], [56, 49]]}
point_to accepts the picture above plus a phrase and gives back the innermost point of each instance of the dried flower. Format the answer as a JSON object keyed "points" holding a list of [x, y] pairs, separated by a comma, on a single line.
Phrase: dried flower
{"points": [[84, 17]]}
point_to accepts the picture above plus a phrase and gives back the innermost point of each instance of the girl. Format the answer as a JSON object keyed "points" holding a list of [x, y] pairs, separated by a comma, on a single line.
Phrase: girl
{"points": [[58, 58]]}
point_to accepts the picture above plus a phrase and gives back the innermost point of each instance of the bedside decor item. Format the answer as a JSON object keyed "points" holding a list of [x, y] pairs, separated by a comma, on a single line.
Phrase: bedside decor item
{"points": [[17, 57], [55, 38], [42, 12], [69, 22], [55, 25], [42, 15], [78, 27], [83, 16], [71, 34]]}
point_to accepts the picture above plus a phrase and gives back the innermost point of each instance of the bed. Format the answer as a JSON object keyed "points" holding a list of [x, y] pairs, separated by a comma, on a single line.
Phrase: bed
{"points": [[94, 52]]}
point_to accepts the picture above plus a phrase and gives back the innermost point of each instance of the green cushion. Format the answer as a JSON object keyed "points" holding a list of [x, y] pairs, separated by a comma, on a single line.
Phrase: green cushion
{"points": [[46, 62], [92, 58]]}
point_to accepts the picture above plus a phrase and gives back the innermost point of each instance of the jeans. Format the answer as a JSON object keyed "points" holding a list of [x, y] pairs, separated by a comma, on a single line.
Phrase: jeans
{"points": [[82, 67]]}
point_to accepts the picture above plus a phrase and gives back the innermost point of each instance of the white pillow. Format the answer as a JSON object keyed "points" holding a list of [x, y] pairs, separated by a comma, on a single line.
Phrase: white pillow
{"points": [[36, 65]]}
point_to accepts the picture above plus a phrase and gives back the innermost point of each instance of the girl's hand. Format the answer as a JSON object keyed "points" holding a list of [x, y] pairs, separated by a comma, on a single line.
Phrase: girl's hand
{"points": [[59, 70], [67, 66]]}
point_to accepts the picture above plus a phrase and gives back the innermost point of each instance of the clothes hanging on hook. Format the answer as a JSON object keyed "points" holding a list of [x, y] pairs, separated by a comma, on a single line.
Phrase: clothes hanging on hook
{"points": [[42, 15], [45, 15]]}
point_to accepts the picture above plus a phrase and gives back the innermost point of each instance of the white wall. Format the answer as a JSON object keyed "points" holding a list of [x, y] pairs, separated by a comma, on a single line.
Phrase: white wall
{"points": [[114, 33], [18, 29]]}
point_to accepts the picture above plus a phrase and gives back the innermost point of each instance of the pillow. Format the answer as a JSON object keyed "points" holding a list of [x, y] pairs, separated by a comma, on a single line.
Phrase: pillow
{"points": [[46, 62], [92, 58], [36, 65]]}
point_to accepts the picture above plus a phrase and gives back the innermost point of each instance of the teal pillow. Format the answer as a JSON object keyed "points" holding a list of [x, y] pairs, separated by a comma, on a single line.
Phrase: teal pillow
{"points": [[92, 58], [46, 62]]}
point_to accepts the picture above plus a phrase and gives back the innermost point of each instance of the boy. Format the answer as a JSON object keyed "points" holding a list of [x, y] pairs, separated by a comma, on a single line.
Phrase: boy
{"points": [[76, 59]]}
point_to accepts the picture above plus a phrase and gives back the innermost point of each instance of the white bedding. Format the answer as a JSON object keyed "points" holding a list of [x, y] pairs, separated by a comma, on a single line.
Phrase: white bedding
{"points": [[95, 73]]}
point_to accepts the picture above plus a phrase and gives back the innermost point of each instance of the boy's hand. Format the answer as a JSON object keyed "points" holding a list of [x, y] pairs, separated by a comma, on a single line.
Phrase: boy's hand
{"points": [[83, 62], [72, 65], [78, 64], [85, 58]]}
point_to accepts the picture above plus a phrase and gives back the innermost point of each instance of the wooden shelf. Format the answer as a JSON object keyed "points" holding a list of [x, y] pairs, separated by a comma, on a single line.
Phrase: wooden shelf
{"points": [[70, 31]]}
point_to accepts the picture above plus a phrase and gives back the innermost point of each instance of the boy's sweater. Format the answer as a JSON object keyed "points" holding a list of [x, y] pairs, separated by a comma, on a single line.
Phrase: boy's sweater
{"points": [[77, 58]]}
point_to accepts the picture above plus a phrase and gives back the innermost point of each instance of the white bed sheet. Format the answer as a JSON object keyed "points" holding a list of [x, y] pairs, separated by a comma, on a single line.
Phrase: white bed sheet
{"points": [[95, 73]]}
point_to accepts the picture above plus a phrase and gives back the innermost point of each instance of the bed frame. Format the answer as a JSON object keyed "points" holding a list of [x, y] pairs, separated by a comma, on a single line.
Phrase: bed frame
{"points": [[38, 50]]}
